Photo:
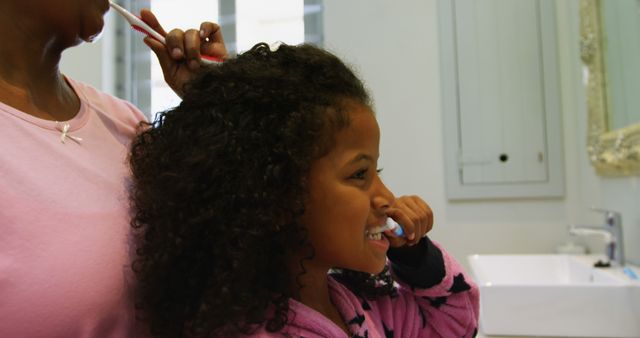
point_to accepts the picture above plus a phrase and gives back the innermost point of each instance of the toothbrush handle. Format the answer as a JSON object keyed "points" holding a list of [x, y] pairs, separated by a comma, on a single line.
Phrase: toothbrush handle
{"points": [[210, 60]]}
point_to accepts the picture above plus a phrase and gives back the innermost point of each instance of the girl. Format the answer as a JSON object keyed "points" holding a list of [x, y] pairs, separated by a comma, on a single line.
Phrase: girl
{"points": [[262, 182]]}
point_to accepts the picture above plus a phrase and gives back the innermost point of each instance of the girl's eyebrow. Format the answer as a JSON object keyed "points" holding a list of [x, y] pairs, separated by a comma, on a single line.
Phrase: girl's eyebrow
{"points": [[361, 157]]}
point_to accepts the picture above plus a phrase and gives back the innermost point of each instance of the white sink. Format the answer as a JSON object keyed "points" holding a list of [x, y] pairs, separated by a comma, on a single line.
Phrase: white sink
{"points": [[555, 296]]}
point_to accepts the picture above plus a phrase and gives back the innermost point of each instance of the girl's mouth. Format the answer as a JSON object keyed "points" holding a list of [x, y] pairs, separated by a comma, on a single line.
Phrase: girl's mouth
{"points": [[378, 240], [375, 233]]}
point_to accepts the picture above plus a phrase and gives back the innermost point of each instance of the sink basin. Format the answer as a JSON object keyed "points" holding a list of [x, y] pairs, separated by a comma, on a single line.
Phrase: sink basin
{"points": [[555, 296]]}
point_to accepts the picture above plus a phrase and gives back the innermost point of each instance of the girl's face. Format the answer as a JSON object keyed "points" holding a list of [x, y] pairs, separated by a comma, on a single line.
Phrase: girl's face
{"points": [[347, 198]]}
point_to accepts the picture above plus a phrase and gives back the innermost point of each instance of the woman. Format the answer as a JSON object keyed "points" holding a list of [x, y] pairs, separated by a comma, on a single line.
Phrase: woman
{"points": [[64, 222]]}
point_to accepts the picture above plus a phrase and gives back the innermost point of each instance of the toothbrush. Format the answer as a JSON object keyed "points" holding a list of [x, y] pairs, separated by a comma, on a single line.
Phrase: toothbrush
{"points": [[141, 26], [393, 226]]}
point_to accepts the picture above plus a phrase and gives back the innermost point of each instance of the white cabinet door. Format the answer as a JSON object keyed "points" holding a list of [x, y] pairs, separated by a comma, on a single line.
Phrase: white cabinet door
{"points": [[500, 100]]}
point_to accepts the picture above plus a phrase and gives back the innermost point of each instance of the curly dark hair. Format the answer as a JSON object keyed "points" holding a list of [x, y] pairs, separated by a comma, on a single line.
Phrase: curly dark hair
{"points": [[220, 182]]}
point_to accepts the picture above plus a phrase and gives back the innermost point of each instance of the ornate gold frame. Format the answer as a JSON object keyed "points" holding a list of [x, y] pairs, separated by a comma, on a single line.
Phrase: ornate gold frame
{"points": [[612, 152]]}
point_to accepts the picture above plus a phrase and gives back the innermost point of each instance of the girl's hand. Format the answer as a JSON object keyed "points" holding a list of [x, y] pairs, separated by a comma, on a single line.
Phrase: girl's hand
{"points": [[180, 58], [415, 217]]}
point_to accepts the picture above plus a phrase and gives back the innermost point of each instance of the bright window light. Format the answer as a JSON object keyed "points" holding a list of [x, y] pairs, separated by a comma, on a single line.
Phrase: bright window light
{"points": [[269, 21], [255, 20]]}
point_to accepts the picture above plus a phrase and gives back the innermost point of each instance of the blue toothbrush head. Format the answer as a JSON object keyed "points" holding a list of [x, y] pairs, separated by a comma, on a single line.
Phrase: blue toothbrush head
{"points": [[395, 227]]}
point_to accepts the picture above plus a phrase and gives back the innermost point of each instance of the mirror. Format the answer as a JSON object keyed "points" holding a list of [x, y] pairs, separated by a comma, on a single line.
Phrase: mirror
{"points": [[621, 48], [612, 75]]}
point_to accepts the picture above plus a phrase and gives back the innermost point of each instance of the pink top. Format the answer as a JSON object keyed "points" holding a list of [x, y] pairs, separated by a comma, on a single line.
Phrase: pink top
{"points": [[64, 224], [446, 310]]}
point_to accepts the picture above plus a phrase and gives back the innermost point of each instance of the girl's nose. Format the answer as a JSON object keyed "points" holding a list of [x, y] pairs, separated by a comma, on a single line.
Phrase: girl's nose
{"points": [[382, 197]]}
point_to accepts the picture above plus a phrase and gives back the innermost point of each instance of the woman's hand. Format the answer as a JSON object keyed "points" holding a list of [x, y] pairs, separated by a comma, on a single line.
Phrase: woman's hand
{"points": [[414, 216], [180, 58]]}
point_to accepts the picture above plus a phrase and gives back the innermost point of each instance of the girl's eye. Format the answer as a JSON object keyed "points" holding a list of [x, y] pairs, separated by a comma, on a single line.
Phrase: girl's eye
{"points": [[360, 174], [379, 170]]}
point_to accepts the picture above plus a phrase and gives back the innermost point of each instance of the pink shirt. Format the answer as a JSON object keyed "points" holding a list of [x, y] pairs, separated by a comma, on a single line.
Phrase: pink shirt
{"points": [[449, 309], [64, 223]]}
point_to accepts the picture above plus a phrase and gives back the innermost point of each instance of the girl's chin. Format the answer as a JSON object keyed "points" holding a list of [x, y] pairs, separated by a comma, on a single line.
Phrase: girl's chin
{"points": [[375, 270]]}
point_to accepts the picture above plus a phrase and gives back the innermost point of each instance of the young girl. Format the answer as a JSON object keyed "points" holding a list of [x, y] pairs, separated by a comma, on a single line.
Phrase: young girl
{"points": [[259, 211]]}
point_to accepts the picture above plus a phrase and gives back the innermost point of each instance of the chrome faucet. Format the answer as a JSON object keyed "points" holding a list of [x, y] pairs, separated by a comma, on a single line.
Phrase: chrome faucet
{"points": [[611, 231]]}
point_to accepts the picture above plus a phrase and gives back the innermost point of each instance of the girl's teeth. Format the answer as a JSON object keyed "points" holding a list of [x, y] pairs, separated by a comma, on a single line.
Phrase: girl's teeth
{"points": [[376, 236]]}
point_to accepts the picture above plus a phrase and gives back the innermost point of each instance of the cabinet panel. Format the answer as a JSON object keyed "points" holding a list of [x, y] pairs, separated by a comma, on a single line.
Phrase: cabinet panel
{"points": [[500, 95]]}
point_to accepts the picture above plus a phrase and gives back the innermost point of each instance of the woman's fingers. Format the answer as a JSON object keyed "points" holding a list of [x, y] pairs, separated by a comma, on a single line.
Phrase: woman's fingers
{"points": [[212, 40], [161, 53], [156, 46], [150, 19], [188, 45], [180, 55], [175, 44], [192, 48]]}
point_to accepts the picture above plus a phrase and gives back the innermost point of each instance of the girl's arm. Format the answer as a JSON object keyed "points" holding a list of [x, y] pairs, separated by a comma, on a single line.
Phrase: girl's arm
{"points": [[435, 298]]}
